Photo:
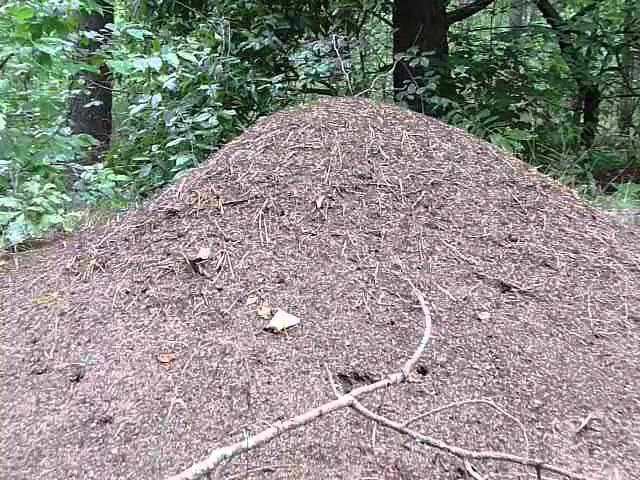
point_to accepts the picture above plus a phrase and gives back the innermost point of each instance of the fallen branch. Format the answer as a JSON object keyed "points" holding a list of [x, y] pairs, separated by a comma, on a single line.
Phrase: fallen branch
{"points": [[480, 401], [221, 456], [463, 453], [224, 454]]}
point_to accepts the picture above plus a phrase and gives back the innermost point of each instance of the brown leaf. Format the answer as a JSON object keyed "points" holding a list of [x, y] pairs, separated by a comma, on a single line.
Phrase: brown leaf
{"points": [[196, 262]]}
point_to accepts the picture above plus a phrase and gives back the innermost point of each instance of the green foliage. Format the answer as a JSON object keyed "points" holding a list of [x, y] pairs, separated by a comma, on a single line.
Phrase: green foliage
{"points": [[526, 103], [184, 96], [98, 185], [34, 143], [33, 210]]}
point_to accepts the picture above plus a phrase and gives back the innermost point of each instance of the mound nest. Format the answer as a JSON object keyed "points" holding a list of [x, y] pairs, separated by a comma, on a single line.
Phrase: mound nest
{"points": [[124, 356]]}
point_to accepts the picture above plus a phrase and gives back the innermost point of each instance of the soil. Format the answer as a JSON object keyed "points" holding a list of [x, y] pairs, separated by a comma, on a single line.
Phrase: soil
{"points": [[134, 348]]}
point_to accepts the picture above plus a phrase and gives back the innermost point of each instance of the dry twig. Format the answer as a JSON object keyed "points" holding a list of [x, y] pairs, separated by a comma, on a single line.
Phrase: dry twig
{"points": [[224, 454], [480, 401], [463, 453]]}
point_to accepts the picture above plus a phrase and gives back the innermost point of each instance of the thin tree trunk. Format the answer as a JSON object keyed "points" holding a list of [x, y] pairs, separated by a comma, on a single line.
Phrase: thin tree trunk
{"points": [[628, 104], [588, 94], [90, 110], [591, 98]]}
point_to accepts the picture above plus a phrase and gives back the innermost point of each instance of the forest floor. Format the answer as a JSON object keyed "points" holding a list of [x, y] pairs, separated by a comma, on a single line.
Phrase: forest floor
{"points": [[132, 349]]}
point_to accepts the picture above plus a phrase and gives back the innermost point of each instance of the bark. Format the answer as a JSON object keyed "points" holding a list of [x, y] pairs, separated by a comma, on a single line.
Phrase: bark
{"points": [[467, 10], [90, 110], [424, 25], [590, 97]]}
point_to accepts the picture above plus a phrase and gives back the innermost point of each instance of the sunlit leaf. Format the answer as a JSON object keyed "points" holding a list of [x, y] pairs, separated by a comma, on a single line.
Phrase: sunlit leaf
{"points": [[155, 63], [22, 13]]}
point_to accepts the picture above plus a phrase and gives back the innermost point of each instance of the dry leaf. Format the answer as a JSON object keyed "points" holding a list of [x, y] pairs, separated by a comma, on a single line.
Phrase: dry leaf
{"points": [[264, 311], [203, 254], [484, 316], [196, 261], [46, 299], [281, 321], [166, 357]]}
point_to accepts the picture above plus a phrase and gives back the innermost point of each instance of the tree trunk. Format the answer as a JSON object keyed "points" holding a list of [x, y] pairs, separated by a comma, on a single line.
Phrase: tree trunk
{"points": [[518, 13], [90, 111], [590, 97], [423, 25], [628, 104], [589, 93]]}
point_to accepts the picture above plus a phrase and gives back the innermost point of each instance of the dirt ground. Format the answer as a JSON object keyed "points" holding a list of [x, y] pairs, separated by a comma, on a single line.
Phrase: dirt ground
{"points": [[126, 357]]}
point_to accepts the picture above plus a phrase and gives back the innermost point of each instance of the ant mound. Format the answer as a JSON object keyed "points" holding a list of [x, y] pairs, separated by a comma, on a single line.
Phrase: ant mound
{"points": [[133, 349]]}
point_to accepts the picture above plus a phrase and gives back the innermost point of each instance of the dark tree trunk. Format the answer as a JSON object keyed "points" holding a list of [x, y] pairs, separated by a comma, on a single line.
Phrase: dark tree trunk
{"points": [[630, 41], [589, 92], [421, 24], [590, 97], [424, 25], [90, 111]]}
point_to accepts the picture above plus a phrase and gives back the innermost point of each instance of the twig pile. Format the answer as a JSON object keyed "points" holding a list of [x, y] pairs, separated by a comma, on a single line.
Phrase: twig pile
{"points": [[138, 348]]}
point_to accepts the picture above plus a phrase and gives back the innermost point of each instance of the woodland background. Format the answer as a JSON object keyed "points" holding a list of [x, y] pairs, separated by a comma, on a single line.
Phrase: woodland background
{"points": [[102, 102]]}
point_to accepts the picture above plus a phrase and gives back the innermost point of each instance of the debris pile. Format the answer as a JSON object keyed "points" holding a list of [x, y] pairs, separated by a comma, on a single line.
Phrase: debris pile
{"points": [[133, 349]]}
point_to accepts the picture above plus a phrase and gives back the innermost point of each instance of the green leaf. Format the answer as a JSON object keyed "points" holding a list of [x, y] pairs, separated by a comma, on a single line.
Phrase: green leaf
{"points": [[145, 170], [9, 202], [155, 100], [202, 117], [155, 63], [188, 56], [172, 59], [85, 140], [183, 159], [175, 142], [7, 217], [137, 108], [22, 13], [19, 230], [227, 114], [136, 33], [140, 64], [121, 66], [50, 219]]}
